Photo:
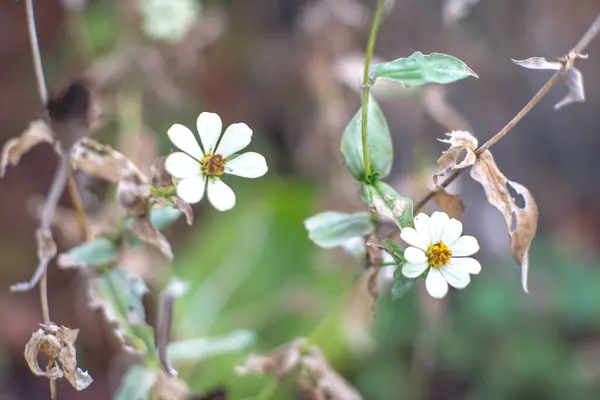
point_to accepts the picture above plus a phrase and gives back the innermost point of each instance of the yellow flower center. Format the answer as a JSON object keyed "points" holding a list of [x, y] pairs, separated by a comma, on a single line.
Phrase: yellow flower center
{"points": [[213, 165], [438, 255]]}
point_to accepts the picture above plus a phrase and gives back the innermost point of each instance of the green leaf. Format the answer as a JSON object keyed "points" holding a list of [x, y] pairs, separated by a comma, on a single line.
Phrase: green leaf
{"points": [[91, 254], [332, 228], [396, 251], [401, 286], [137, 383], [379, 142], [206, 347], [119, 293], [399, 208], [164, 216], [419, 69]]}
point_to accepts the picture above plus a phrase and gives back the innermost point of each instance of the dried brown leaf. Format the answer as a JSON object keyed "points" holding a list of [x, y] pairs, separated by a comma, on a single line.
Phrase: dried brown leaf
{"points": [[574, 81], [142, 227], [451, 204], [37, 132], [462, 143], [538, 63], [521, 223], [278, 361], [102, 161], [326, 379], [58, 344], [169, 388], [159, 174]]}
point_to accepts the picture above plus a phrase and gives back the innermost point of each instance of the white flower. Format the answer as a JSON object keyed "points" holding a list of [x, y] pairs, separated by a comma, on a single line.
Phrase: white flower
{"points": [[436, 245], [198, 169]]}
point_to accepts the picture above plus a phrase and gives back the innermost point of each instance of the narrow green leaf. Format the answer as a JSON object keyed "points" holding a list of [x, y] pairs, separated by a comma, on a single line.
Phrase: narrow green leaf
{"points": [[398, 208], [206, 347], [91, 254], [396, 251], [379, 141], [137, 383], [119, 293], [420, 69], [332, 228]]}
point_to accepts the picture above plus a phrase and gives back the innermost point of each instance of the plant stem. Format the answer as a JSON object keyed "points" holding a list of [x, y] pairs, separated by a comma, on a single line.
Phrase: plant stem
{"points": [[78, 205], [589, 35], [366, 84], [35, 52]]}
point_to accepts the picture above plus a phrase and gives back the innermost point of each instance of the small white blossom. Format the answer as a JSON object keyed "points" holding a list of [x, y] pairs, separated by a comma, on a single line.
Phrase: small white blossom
{"points": [[197, 169], [436, 245]]}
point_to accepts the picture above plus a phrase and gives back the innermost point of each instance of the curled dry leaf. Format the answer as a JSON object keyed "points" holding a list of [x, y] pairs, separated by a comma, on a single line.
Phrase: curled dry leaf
{"points": [[570, 75], [37, 132], [461, 153], [58, 344], [574, 81], [313, 365], [278, 361], [142, 227], [521, 223], [102, 161]]}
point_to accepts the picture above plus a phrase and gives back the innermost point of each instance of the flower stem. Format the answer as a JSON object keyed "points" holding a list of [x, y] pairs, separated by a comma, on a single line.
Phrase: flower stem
{"points": [[366, 85], [35, 51]]}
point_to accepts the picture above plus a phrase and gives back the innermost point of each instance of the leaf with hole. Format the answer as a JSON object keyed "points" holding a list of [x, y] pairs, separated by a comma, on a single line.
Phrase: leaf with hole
{"points": [[388, 203], [420, 69]]}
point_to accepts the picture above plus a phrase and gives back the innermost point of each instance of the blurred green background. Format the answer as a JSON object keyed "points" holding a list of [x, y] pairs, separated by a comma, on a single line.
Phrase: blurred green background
{"points": [[289, 69]]}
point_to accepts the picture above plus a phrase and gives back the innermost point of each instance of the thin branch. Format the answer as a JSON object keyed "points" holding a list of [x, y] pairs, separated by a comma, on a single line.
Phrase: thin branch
{"points": [[78, 204], [35, 52], [574, 55]]}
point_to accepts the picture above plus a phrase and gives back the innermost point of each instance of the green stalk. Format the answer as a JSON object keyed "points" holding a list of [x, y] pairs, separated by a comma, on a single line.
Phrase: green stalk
{"points": [[366, 84]]}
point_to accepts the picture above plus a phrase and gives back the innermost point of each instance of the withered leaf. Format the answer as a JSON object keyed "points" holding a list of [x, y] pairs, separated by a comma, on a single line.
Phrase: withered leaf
{"points": [[538, 63], [521, 223], [159, 174], [574, 81], [461, 153], [37, 132], [326, 379], [102, 161], [142, 227], [278, 361], [451, 204], [58, 344], [169, 388]]}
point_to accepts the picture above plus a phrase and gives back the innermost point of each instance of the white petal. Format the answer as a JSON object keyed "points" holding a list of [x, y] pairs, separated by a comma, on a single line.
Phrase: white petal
{"points": [[436, 284], [209, 127], [247, 165], [414, 255], [455, 277], [185, 140], [452, 231], [191, 190], [467, 264], [220, 195], [411, 270], [236, 137], [422, 227], [412, 237], [181, 165], [437, 223], [464, 246]]}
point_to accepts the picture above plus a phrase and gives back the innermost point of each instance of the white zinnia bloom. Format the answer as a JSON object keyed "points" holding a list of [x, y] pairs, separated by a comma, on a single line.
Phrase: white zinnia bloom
{"points": [[436, 245], [197, 169]]}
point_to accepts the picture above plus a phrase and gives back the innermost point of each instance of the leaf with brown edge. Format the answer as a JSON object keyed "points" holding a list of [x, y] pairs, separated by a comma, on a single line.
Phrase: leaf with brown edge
{"points": [[521, 223], [143, 229], [37, 132], [58, 345], [461, 153], [278, 361]]}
